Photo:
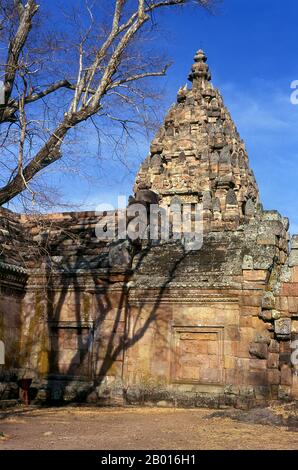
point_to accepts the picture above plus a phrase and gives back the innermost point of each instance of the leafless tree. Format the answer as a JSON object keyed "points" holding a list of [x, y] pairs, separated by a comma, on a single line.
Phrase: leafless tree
{"points": [[54, 81]]}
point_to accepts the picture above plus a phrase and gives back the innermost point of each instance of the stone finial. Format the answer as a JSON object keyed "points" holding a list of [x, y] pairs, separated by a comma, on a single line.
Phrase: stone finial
{"points": [[200, 69]]}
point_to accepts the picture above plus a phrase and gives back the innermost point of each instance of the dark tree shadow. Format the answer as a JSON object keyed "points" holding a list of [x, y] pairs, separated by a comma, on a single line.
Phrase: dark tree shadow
{"points": [[119, 340]]}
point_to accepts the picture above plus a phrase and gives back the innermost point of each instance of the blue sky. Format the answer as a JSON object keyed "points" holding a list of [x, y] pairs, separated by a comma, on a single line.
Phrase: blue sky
{"points": [[252, 53]]}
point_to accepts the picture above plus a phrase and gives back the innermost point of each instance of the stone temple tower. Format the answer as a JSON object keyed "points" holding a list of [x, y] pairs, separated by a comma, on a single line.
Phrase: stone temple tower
{"points": [[148, 321], [199, 156]]}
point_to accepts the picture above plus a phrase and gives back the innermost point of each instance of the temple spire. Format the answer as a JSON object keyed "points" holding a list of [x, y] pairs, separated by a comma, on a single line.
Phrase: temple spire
{"points": [[198, 156], [200, 70]]}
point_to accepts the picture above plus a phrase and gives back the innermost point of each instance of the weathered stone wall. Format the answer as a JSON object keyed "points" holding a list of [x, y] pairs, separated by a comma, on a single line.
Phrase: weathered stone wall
{"points": [[285, 314], [146, 322], [74, 311], [12, 280], [209, 327], [78, 348], [209, 336]]}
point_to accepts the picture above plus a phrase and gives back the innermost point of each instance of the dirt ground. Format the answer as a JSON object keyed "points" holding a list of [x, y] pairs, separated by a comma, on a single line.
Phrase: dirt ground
{"points": [[143, 428]]}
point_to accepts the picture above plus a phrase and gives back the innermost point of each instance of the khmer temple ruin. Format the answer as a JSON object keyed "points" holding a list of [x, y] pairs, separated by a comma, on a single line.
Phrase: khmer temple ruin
{"points": [[134, 321]]}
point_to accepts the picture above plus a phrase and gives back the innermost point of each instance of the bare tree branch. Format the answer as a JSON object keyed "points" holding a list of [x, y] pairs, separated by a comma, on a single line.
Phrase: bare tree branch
{"points": [[26, 14], [140, 76], [105, 62], [13, 105]]}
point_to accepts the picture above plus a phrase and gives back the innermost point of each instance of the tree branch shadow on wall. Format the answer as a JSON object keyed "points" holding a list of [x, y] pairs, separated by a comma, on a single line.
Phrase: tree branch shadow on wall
{"points": [[108, 347]]}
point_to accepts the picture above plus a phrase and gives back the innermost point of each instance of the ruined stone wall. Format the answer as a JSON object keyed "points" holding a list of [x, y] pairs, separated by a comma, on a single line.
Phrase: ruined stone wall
{"points": [[285, 314], [74, 312], [208, 327], [12, 280], [210, 332]]}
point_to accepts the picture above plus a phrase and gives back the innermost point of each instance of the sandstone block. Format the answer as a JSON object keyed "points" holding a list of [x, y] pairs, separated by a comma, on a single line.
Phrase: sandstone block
{"points": [[293, 304], [263, 337], [284, 392], [294, 242], [258, 364], [259, 275], [284, 303], [258, 377], [229, 362], [266, 315], [248, 262], [273, 346], [282, 327], [290, 289], [293, 258], [285, 375], [295, 274], [273, 360], [251, 300], [250, 311], [273, 376], [267, 239], [245, 322], [259, 350], [262, 392], [268, 301]]}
